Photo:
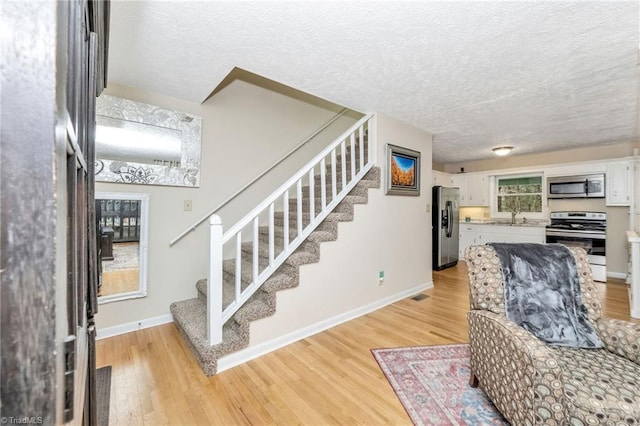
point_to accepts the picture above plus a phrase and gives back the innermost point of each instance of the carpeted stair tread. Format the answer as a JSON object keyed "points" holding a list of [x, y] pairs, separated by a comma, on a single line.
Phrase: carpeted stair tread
{"points": [[228, 291], [307, 252], [247, 272], [278, 239], [331, 217], [344, 206], [341, 207], [278, 235], [320, 236], [348, 151], [280, 281], [357, 190], [364, 183], [259, 305], [285, 276], [349, 156], [347, 165], [190, 315]]}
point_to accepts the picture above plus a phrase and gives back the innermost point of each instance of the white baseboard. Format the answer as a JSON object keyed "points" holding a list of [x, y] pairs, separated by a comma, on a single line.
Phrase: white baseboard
{"points": [[253, 352], [116, 330], [620, 275]]}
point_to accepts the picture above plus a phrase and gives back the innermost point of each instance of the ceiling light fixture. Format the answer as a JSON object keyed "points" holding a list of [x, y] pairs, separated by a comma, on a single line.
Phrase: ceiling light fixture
{"points": [[501, 151]]}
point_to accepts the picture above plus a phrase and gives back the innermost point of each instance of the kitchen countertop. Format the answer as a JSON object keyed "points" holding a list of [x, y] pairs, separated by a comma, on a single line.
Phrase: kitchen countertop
{"points": [[506, 222]]}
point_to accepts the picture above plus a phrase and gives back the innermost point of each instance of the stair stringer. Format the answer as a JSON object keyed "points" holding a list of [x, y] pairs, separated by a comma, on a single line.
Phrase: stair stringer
{"points": [[190, 315]]}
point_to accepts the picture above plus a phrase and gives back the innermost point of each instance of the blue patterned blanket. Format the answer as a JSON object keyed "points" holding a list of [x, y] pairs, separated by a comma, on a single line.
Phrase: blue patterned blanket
{"points": [[542, 293]]}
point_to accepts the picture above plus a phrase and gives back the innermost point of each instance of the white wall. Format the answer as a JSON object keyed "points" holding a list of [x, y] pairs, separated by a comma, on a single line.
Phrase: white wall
{"points": [[245, 130], [390, 233]]}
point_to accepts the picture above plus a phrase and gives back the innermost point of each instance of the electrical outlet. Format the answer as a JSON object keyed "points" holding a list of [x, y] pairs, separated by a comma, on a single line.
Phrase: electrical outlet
{"points": [[428, 208], [187, 205], [380, 277]]}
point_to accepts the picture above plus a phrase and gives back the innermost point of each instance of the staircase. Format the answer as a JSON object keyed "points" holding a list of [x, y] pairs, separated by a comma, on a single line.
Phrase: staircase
{"points": [[269, 249]]}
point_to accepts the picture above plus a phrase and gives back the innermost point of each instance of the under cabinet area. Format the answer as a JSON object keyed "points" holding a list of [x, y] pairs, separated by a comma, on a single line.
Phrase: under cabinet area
{"points": [[475, 233]]}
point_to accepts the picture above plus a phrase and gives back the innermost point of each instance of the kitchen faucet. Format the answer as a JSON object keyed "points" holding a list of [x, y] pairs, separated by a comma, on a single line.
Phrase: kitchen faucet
{"points": [[514, 211]]}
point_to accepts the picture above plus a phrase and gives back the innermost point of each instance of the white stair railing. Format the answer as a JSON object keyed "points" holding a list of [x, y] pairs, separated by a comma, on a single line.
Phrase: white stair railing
{"points": [[351, 147], [257, 178]]}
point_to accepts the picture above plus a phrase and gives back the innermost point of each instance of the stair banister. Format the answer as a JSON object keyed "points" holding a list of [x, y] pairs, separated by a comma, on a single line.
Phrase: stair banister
{"points": [[214, 299], [299, 175], [216, 316], [254, 180]]}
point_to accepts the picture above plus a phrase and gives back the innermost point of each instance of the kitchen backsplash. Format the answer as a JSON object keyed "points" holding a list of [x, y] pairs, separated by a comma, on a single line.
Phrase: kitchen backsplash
{"points": [[475, 212]]}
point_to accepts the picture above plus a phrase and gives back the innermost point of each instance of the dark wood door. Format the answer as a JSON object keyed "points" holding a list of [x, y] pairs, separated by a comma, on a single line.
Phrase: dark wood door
{"points": [[53, 69]]}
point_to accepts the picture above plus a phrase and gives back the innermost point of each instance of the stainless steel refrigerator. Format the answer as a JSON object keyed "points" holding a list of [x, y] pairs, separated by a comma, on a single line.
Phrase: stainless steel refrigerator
{"points": [[446, 225]]}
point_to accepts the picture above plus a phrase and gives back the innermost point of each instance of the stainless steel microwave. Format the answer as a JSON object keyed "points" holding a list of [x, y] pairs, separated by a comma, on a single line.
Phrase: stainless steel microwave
{"points": [[583, 186]]}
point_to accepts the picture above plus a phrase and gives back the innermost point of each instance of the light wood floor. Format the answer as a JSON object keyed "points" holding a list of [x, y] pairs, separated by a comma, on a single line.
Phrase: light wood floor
{"points": [[328, 379], [116, 282]]}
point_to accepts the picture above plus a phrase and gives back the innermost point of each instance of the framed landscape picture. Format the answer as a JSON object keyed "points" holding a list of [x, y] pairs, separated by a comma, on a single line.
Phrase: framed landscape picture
{"points": [[403, 171]]}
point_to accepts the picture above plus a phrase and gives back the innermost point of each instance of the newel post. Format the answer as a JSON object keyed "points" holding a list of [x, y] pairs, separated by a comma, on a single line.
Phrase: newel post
{"points": [[214, 282]]}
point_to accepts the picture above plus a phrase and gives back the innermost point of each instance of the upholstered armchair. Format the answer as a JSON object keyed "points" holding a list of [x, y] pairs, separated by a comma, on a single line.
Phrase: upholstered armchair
{"points": [[534, 383]]}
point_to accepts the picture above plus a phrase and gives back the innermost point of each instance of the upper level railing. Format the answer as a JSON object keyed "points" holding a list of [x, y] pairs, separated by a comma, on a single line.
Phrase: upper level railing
{"points": [[255, 179], [261, 249]]}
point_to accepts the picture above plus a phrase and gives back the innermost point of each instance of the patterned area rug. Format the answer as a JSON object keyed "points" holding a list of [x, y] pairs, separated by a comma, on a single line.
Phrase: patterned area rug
{"points": [[432, 382], [125, 256]]}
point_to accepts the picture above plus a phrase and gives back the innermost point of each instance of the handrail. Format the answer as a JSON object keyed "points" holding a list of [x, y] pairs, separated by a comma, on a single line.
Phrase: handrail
{"points": [[318, 210], [254, 180], [302, 172]]}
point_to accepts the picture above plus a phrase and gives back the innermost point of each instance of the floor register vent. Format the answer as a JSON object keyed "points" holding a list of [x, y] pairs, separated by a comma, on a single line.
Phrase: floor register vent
{"points": [[419, 297]]}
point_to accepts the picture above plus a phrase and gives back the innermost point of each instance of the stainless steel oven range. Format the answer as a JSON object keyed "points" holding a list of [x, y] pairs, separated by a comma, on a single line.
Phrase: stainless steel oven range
{"points": [[582, 229]]}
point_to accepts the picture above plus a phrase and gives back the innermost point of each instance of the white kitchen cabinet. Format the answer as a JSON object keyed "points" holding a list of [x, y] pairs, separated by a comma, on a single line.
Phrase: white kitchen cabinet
{"points": [[474, 188], [619, 183], [469, 235], [634, 273], [441, 178], [513, 234], [635, 207], [460, 181], [488, 233], [478, 190]]}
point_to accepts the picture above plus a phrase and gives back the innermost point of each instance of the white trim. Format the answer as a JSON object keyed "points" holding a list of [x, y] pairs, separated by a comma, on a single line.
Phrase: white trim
{"points": [[116, 330], [493, 193], [253, 352], [554, 169], [620, 275], [143, 243]]}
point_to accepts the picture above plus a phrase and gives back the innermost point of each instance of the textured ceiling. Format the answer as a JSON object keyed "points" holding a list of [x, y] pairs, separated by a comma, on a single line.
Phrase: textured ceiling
{"points": [[539, 76]]}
